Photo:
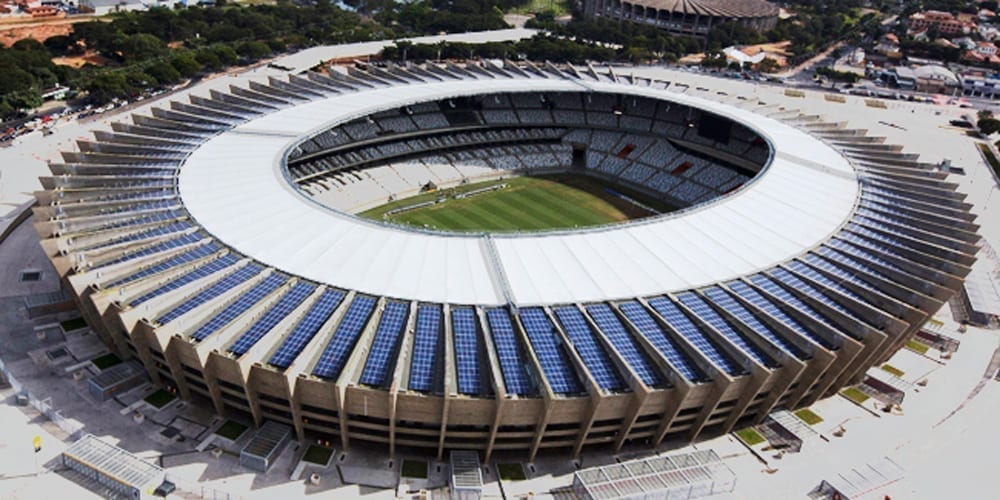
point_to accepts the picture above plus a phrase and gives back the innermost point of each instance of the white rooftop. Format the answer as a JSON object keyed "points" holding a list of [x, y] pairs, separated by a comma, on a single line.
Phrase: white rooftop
{"points": [[234, 186]]}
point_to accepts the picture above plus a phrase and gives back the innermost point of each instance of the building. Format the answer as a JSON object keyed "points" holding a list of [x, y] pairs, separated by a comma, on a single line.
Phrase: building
{"points": [[696, 17], [927, 78], [208, 241], [943, 22], [122, 473]]}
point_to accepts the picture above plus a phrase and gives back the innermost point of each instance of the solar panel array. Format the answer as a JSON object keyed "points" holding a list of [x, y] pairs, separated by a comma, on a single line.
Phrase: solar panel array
{"points": [[704, 311], [177, 242], [656, 336], [793, 281], [511, 364], [625, 344], [556, 365], [426, 342], [241, 305], [385, 344], [181, 258], [272, 317], [594, 356], [684, 326], [222, 286], [726, 301], [307, 328], [331, 362], [467, 367], [198, 273]]}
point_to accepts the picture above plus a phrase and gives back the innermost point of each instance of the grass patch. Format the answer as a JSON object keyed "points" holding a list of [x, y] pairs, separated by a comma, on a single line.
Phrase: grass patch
{"points": [[808, 416], [749, 436], [73, 324], [893, 370], [231, 430], [511, 472], [917, 347], [160, 398], [414, 468], [854, 394], [563, 201], [990, 157], [107, 361], [319, 455]]}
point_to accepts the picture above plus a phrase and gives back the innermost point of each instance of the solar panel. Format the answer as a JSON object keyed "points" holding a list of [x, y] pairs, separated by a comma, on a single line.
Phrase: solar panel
{"points": [[556, 365], [627, 346], [202, 271], [786, 298], [701, 309], [426, 340], [653, 333], [816, 276], [272, 317], [853, 245], [241, 305], [225, 284], [307, 328], [384, 346], [676, 318], [463, 326], [141, 235], [348, 330], [511, 365], [181, 258], [793, 281], [153, 249], [594, 357], [726, 301]]}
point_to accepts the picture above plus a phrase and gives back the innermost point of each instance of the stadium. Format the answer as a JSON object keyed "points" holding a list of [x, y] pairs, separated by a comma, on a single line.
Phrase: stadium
{"points": [[250, 250], [692, 18]]}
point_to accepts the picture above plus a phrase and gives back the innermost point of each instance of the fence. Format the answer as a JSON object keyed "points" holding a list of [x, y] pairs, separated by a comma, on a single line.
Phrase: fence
{"points": [[73, 428]]}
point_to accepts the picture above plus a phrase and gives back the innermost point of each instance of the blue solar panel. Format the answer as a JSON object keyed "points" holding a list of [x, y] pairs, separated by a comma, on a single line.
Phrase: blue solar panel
{"points": [[593, 354], [348, 330], [625, 344], [754, 297], [511, 365], [793, 281], [854, 246], [141, 235], [701, 309], [463, 325], [306, 329], [222, 286], [181, 258], [202, 271], [241, 305], [676, 318], [722, 299], [152, 249], [653, 333], [381, 358], [426, 340], [555, 363], [816, 276], [272, 317]]}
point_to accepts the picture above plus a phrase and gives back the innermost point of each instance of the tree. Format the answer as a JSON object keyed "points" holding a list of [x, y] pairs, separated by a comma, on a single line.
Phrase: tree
{"points": [[140, 47], [108, 85], [988, 126], [767, 65], [253, 50], [185, 64], [164, 73], [226, 55]]}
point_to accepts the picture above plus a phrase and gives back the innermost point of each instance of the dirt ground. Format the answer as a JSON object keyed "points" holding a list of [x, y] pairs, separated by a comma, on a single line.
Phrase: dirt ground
{"points": [[38, 29]]}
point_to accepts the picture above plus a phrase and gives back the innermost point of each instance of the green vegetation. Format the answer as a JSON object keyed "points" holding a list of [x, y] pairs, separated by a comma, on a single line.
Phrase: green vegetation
{"points": [[917, 347], [526, 204], [990, 157], [319, 455], [160, 398], [854, 394], [554, 8], [107, 361], [231, 430], [414, 468], [808, 416], [749, 436], [893, 370], [73, 324], [511, 472], [839, 76]]}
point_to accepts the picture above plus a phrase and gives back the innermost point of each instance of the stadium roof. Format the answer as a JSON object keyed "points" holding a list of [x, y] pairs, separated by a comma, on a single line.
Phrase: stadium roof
{"points": [[233, 186], [718, 8]]}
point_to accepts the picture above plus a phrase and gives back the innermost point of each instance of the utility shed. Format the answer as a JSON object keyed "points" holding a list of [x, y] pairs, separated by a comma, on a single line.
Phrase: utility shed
{"points": [[265, 446], [466, 477], [118, 378], [120, 471]]}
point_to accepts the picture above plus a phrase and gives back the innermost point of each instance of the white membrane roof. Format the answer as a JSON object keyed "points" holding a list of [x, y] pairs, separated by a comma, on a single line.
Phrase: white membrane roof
{"points": [[234, 186]]}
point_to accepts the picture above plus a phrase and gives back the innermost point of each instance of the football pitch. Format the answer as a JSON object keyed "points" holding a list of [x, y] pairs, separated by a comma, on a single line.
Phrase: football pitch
{"points": [[562, 201]]}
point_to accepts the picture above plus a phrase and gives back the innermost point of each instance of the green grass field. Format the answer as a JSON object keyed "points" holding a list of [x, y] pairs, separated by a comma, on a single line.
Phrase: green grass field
{"points": [[527, 204], [808, 416], [750, 436]]}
